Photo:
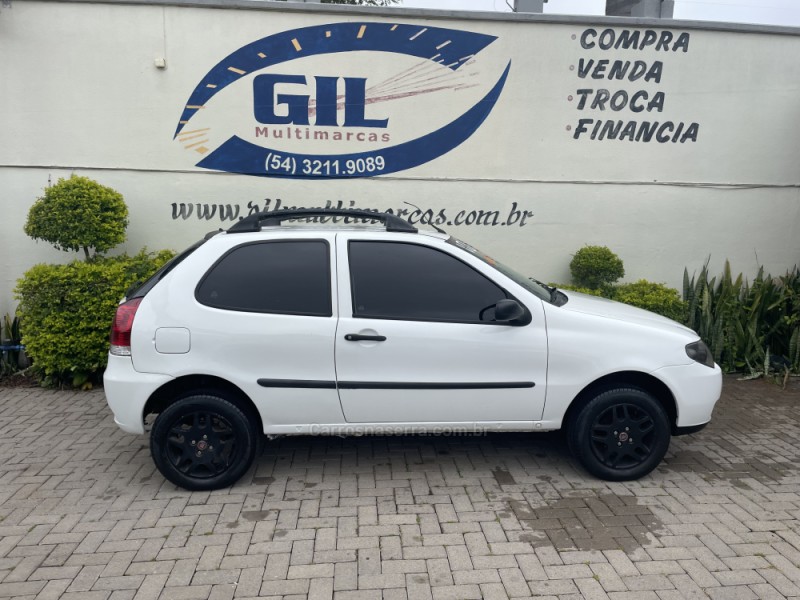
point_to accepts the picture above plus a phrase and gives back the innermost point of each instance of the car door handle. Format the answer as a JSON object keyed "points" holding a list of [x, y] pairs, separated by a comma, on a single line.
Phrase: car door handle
{"points": [[357, 337]]}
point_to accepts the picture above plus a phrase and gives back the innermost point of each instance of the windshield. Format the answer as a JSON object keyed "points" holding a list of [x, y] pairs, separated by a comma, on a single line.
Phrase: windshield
{"points": [[537, 288]]}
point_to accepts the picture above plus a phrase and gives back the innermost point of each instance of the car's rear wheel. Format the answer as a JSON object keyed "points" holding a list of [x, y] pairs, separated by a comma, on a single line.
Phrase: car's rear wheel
{"points": [[620, 434], [203, 442]]}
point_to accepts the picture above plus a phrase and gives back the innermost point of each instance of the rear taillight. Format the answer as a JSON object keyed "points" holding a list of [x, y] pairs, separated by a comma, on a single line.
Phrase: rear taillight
{"points": [[121, 329]]}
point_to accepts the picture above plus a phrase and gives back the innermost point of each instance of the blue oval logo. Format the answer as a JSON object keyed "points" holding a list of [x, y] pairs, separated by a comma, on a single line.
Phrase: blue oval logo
{"points": [[341, 97]]}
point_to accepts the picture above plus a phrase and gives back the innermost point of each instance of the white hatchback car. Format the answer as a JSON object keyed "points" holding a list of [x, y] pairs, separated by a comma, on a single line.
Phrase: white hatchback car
{"points": [[351, 329]]}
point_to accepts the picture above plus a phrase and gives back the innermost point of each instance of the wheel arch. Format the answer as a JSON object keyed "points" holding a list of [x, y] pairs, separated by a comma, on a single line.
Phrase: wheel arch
{"points": [[643, 381], [187, 385]]}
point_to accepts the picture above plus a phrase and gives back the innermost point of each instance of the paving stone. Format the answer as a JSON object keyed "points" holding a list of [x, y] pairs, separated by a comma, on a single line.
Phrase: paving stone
{"points": [[424, 552], [321, 589], [182, 573], [284, 587], [514, 582], [400, 518], [780, 582], [249, 583], [568, 571], [216, 577], [277, 567], [648, 582], [54, 589], [345, 576], [418, 587], [457, 592], [439, 572], [310, 571], [476, 576], [21, 588], [685, 587], [151, 586], [123, 582], [493, 591], [388, 580], [358, 595], [741, 577], [737, 592], [404, 566], [186, 592], [765, 591]]}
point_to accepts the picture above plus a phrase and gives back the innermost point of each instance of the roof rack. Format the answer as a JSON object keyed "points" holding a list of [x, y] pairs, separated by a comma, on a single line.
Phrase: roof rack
{"points": [[275, 217]]}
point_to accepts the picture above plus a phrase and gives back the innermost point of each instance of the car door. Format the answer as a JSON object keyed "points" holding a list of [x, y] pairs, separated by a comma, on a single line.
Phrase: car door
{"points": [[411, 345], [266, 319]]}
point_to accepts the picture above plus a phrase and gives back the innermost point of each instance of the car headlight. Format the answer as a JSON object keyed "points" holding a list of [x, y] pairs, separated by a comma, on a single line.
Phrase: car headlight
{"points": [[698, 351]]}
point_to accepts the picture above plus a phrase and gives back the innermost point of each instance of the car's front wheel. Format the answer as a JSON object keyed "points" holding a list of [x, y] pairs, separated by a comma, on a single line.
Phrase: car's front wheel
{"points": [[620, 434], [203, 442]]}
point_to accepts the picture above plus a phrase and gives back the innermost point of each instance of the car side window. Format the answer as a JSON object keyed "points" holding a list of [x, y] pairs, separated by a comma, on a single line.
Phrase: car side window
{"points": [[396, 280], [288, 277]]}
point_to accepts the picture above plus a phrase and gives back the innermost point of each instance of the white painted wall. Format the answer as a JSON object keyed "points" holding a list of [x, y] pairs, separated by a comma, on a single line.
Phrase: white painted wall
{"points": [[80, 93]]}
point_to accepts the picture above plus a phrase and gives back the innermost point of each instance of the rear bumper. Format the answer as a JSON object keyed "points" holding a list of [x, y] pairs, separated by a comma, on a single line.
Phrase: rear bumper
{"points": [[696, 389], [127, 392], [688, 430]]}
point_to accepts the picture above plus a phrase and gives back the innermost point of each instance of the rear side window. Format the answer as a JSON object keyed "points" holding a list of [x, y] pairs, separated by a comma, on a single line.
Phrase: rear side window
{"points": [[393, 280], [140, 290], [286, 277]]}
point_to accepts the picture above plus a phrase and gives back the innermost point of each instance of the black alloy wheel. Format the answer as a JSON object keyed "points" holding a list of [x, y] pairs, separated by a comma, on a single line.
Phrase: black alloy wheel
{"points": [[203, 442], [621, 434]]}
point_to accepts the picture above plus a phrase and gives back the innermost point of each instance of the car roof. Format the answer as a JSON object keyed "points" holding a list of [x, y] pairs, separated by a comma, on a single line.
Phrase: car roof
{"points": [[295, 227], [274, 221]]}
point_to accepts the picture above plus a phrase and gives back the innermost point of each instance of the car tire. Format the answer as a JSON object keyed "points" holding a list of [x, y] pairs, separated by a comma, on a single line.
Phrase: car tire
{"points": [[203, 442], [619, 435]]}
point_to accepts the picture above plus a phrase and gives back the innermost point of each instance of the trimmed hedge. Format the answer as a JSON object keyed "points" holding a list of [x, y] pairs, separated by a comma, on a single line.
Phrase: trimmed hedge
{"points": [[655, 297], [604, 293], [79, 214], [595, 267], [66, 312]]}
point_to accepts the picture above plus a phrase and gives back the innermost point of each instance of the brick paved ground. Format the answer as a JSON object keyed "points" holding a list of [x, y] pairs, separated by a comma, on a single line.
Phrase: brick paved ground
{"points": [[83, 514]]}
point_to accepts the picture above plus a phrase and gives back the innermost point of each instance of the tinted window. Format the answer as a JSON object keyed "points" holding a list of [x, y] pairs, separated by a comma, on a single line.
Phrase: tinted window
{"points": [[273, 277], [532, 285], [140, 290], [411, 282]]}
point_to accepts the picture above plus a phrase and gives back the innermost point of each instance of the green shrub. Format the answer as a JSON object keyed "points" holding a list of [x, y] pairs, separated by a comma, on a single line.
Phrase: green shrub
{"points": [[603, 292], [10, 360], [79, 213], [655, 297], [595, 267], [749, 327], [66, 312]]}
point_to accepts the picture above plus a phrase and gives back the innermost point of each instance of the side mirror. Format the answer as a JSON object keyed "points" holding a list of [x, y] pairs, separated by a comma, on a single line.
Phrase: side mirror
{"points": [[508, 310]]}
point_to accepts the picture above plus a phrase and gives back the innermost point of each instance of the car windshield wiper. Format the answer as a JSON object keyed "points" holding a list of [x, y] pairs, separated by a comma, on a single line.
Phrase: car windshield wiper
{"points": [[544, 285], [555, 295]]}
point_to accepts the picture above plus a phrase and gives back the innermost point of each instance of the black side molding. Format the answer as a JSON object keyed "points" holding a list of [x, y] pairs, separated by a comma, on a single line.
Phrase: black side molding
{"points": [[297, 383], [391, 385]]}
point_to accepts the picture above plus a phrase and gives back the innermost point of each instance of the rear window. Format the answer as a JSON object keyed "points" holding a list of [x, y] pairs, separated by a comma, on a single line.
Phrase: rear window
{"points": [[286, 277], [139, 290]]}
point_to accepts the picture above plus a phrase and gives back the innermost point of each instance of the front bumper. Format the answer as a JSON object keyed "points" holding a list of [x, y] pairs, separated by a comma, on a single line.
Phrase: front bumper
{"points": [[127, 392], [696, 389]]}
